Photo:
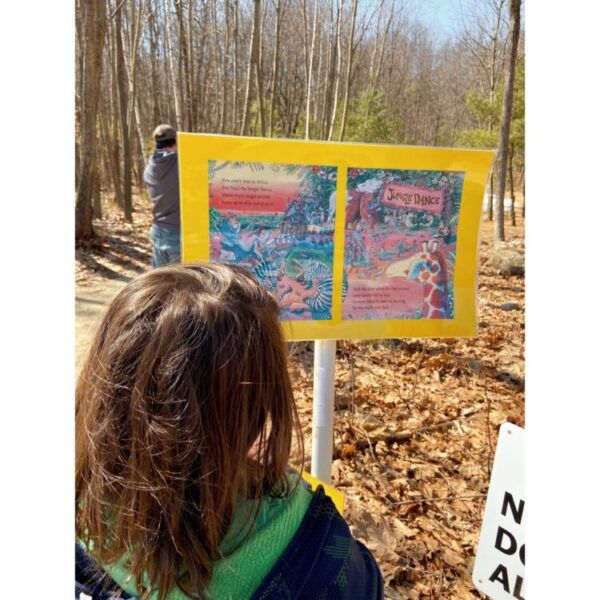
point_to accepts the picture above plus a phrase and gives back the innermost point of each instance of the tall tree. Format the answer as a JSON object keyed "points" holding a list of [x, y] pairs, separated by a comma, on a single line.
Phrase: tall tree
{"points": [[234, 102], [348, 70], [259, 79], [134, 119], [93, 29], [109, 139], [309, 75], [482, 40], [511, 178], [177, 91], [515, 29], [224, 78], [338, 68], [122, 85], [253, 69], [275, 67]]}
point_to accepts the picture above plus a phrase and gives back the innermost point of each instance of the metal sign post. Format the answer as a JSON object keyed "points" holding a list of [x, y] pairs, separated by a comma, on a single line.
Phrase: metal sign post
{"points": [[323, 398]]}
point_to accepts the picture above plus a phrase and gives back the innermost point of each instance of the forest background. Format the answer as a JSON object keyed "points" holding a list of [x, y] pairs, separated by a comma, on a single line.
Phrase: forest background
{"points": [[416, 420], [342, 70]]}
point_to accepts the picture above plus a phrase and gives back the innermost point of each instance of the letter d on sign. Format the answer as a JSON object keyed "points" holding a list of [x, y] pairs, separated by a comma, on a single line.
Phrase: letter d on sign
{"points": [[505, 535], [499, 569]]}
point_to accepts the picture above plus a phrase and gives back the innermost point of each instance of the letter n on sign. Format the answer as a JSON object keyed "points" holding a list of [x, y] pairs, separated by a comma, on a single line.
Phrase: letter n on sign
{"points": [[499, 570]]}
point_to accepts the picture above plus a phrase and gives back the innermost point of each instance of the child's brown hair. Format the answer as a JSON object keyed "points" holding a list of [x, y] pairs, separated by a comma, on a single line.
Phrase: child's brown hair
{"points": [[186, 374]]}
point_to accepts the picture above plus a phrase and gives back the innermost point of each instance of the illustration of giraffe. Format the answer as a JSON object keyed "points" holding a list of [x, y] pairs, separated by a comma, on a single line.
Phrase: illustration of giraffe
{"points": [[428, 268]]}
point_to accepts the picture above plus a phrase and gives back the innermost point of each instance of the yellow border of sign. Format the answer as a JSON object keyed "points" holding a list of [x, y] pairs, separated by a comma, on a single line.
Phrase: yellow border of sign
{"points": [[336, 495], [195, 150]]}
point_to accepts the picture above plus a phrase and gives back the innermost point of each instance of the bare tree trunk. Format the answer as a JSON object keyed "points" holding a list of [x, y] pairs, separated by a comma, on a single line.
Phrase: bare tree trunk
{"points": [[176, 95], [512, 188], [326, 108], [254, 128], [374, 52], [523, 207], [492, 74], [259, 82], [275, 68], [305, 42], [318, 84], [97, 208], [139, 144], [234, 116], [125, 141], [220, 68], [310, 70], [490, 205], [183, 65], [492, 88], [379, 64], [348, 71], [111, 136], [224, 77], [253, 59], [93, 33], [203, 73], [153, 64], [133, 112], [167, 86], [338, 69], [515, 27], [112, 160], [190, 67], [80, 54]]}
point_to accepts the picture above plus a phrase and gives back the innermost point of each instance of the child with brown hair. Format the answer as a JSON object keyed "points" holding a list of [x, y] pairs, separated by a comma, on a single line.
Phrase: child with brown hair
{"points": [[184, 424]]}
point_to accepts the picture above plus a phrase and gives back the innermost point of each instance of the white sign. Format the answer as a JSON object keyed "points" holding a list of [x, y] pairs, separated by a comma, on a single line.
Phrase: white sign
{"points": [[499, 569]]}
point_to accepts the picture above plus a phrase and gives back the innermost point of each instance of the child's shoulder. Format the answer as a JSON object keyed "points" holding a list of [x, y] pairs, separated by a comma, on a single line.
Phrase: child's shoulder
{"points": [[323, 559]]}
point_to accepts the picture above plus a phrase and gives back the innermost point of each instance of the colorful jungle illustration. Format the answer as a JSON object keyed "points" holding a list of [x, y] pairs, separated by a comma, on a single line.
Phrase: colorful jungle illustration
{"points": [[277, 221], [400, 243]]}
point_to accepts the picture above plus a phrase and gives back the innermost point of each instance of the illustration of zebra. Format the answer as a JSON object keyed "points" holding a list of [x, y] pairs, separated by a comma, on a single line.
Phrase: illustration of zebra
{"points": [[269, 267], [318, 279], [267, 273]]}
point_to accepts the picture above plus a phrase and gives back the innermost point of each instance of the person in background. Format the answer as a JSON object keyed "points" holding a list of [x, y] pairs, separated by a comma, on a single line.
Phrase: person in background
{"points": [[185, 417], [162, 180]]}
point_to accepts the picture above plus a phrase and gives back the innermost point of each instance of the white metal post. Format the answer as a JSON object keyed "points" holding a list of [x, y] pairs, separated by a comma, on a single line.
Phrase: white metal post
{"points": [[323, 396]]}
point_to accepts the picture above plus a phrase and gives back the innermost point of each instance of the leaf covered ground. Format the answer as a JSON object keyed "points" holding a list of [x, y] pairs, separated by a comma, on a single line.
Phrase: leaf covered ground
{"points": [[416, 420]]}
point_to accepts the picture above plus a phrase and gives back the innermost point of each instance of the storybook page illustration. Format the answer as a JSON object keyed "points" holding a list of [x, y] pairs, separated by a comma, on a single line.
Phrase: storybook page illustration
{"points": [[355, 241], [277, 221], [400, 243]]}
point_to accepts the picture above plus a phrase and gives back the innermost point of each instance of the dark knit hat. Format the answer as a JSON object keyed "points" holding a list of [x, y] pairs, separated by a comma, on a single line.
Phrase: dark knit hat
{"points": [[164, 132]]}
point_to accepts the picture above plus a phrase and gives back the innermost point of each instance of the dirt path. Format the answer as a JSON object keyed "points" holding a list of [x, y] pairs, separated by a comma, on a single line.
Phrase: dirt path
{"points": [[120, 251], [90, 302]]}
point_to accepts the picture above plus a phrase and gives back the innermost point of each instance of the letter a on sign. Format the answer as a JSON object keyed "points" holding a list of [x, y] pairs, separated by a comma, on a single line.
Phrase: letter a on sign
{"points": [[499, 569]]}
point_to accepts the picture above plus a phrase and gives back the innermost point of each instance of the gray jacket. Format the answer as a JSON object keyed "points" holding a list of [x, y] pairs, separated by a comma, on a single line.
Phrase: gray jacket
{"points": [[162, 179]]}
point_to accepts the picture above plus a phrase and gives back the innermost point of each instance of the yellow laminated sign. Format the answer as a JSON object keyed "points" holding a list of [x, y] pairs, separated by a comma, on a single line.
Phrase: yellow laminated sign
{"points": [[336, 496], [354, 240]]}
